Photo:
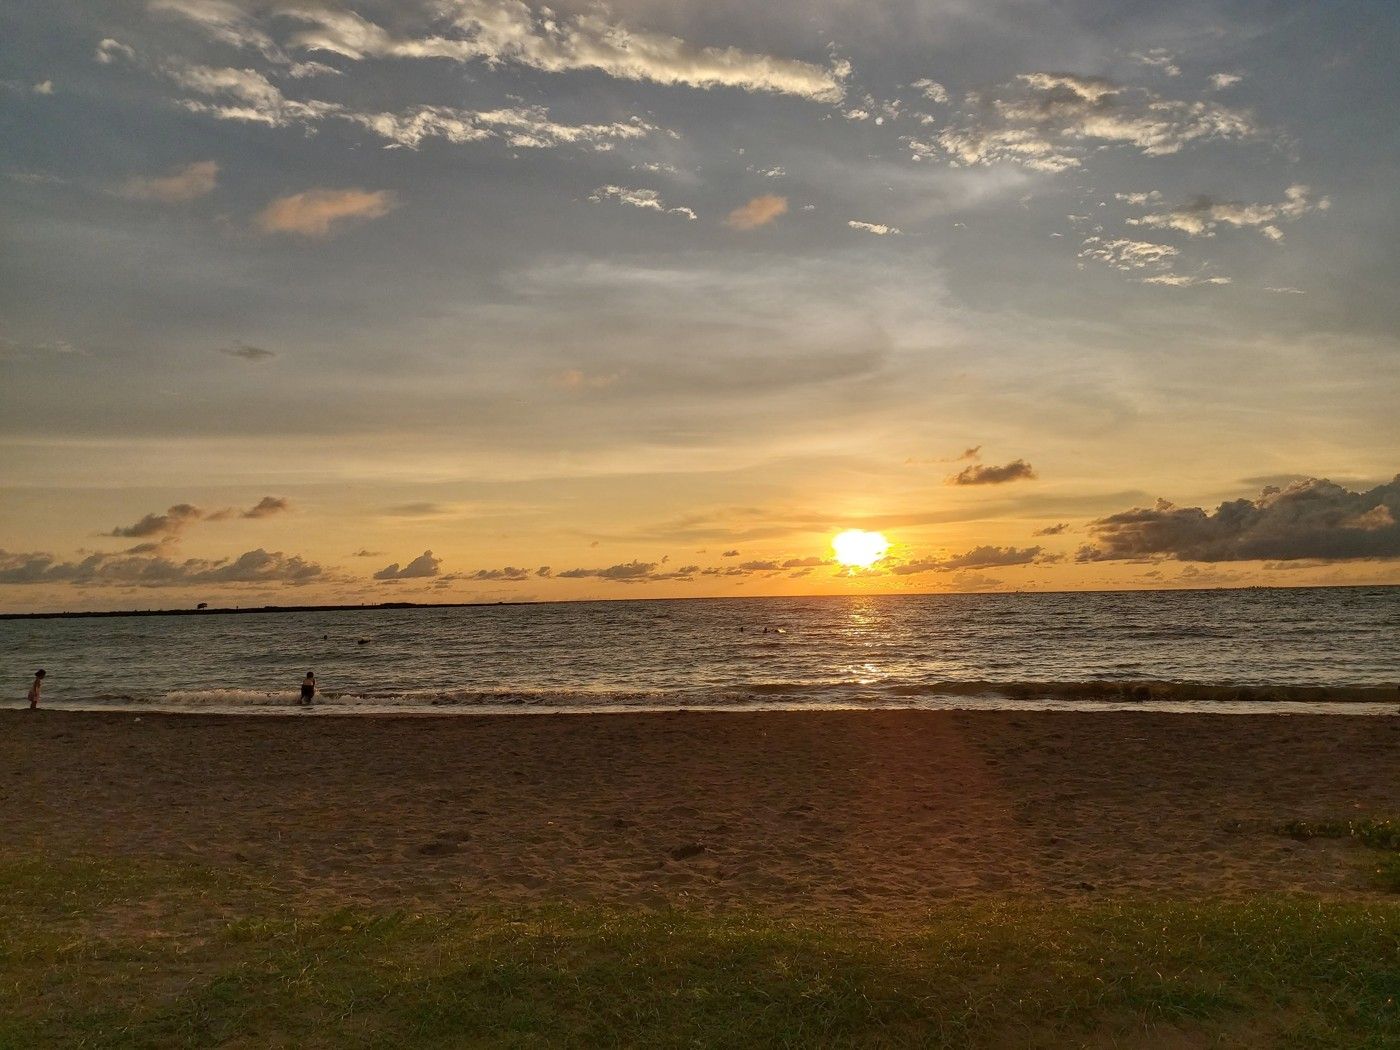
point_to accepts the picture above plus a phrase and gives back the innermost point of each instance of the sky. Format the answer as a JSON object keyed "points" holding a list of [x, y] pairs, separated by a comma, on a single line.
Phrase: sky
{"points": [[481, 300]]}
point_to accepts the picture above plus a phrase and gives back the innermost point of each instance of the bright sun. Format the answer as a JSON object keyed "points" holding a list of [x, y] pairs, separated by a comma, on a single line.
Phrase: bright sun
{"points": [[859, 548]]}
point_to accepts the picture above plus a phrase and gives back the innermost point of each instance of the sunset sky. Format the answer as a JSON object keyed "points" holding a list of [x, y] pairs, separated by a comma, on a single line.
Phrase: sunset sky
{"points": [[471, 300]]}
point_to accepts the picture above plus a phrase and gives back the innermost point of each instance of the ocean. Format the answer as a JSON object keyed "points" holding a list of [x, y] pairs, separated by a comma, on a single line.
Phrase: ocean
{"points": [[1220, 650]]}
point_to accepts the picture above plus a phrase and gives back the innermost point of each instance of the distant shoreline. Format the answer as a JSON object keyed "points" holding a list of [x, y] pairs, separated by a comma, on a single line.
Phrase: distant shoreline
{"points": [[370, 607]]}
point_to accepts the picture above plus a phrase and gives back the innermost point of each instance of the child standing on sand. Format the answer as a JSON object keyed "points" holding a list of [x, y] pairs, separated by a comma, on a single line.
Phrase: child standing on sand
{"points": [[36, 689]]}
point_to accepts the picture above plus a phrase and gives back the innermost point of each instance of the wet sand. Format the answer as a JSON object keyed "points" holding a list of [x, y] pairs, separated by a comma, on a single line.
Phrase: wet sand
{"points": [[886, 812]]}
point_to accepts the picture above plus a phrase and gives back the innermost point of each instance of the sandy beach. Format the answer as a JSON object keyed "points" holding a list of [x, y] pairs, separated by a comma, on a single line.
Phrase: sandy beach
{"points": [[879, 812]]}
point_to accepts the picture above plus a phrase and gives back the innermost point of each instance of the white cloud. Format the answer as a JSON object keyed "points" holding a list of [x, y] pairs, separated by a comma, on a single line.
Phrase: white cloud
{"points": [[932, 90], [1148, 197], [1124, 254], [877, 228], [499, 31], [257, 100], [1046, 121], [44, 87], [1158, 58], [1201, 217], [223, 21], [1221, 81], [109, 50], [1182, 280], [648, 200]]}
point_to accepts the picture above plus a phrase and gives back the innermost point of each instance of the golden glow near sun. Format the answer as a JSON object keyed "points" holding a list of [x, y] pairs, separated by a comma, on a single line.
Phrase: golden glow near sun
{"points": [[859, 548]]}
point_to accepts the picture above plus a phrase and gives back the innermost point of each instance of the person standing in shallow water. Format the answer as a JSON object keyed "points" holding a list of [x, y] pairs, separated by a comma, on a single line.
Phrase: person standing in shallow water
{"points": [[36, 688], [308, 688]]}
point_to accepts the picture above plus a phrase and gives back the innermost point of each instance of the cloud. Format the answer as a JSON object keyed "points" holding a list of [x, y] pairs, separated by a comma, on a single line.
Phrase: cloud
{"points": [[1201, 216], [730, 554], [978, 558], [1139, 198], [44, 87], [508, 31], [364, 552], [523, 127], [247, 96], [421, 567], [182, 515], [986, 474], [109, 50], [1314, 518], [1158, 58], [189, 183], [631, 572], [877, 228], [223, 21], [1051, 530], [932, 90], [1048, 121], [315, 212], [648, 200], [1125, 254], [247, 353], [760, 211], [267, 507], [510, 573], [1221, 81], [171, 522], [1182, 280], [141, 568]]}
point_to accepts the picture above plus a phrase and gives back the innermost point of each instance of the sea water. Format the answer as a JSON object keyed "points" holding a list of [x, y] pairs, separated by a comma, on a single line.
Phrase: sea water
{"points": [[1224, 650]]}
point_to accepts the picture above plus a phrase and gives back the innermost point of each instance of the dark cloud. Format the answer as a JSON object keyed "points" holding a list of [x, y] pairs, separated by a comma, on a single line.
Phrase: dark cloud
{"points": [[1316, 519], [421, 567], [978, 558], [415, 510], [1051, 530], [980, 474], [145, 569], [182, 515], [167, 524], [366, 553], [266, 507], [631, 572], [247, 353], [730, 554], [510, 572]]}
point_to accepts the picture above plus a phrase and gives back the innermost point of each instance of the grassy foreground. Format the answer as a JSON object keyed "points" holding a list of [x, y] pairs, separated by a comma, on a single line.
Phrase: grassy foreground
{"points": [[106, 955]]}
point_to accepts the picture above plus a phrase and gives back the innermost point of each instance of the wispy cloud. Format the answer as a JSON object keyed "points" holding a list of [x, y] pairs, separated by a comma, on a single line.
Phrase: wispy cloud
{"points": [[1201, 216], [759, 211], [647, 200], [318, 212], [1048, 121], [191, 182], [877, 228], [247, 353], [508, 31]]}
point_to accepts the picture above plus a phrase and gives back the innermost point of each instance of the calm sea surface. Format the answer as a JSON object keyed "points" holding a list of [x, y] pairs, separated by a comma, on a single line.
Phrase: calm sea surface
{"points": [[1224, 650]]}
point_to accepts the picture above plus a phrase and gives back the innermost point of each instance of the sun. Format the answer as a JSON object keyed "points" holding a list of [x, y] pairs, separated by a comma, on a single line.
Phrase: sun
{"points": [[859, 548]]}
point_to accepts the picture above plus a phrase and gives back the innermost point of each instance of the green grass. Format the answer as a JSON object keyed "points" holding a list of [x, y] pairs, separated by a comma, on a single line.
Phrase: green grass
{"points": [[1382, 836], [102, 955]]}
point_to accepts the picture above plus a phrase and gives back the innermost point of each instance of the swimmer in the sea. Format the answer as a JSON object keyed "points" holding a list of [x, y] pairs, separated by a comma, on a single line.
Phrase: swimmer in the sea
{"points": [[308, 688]]}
